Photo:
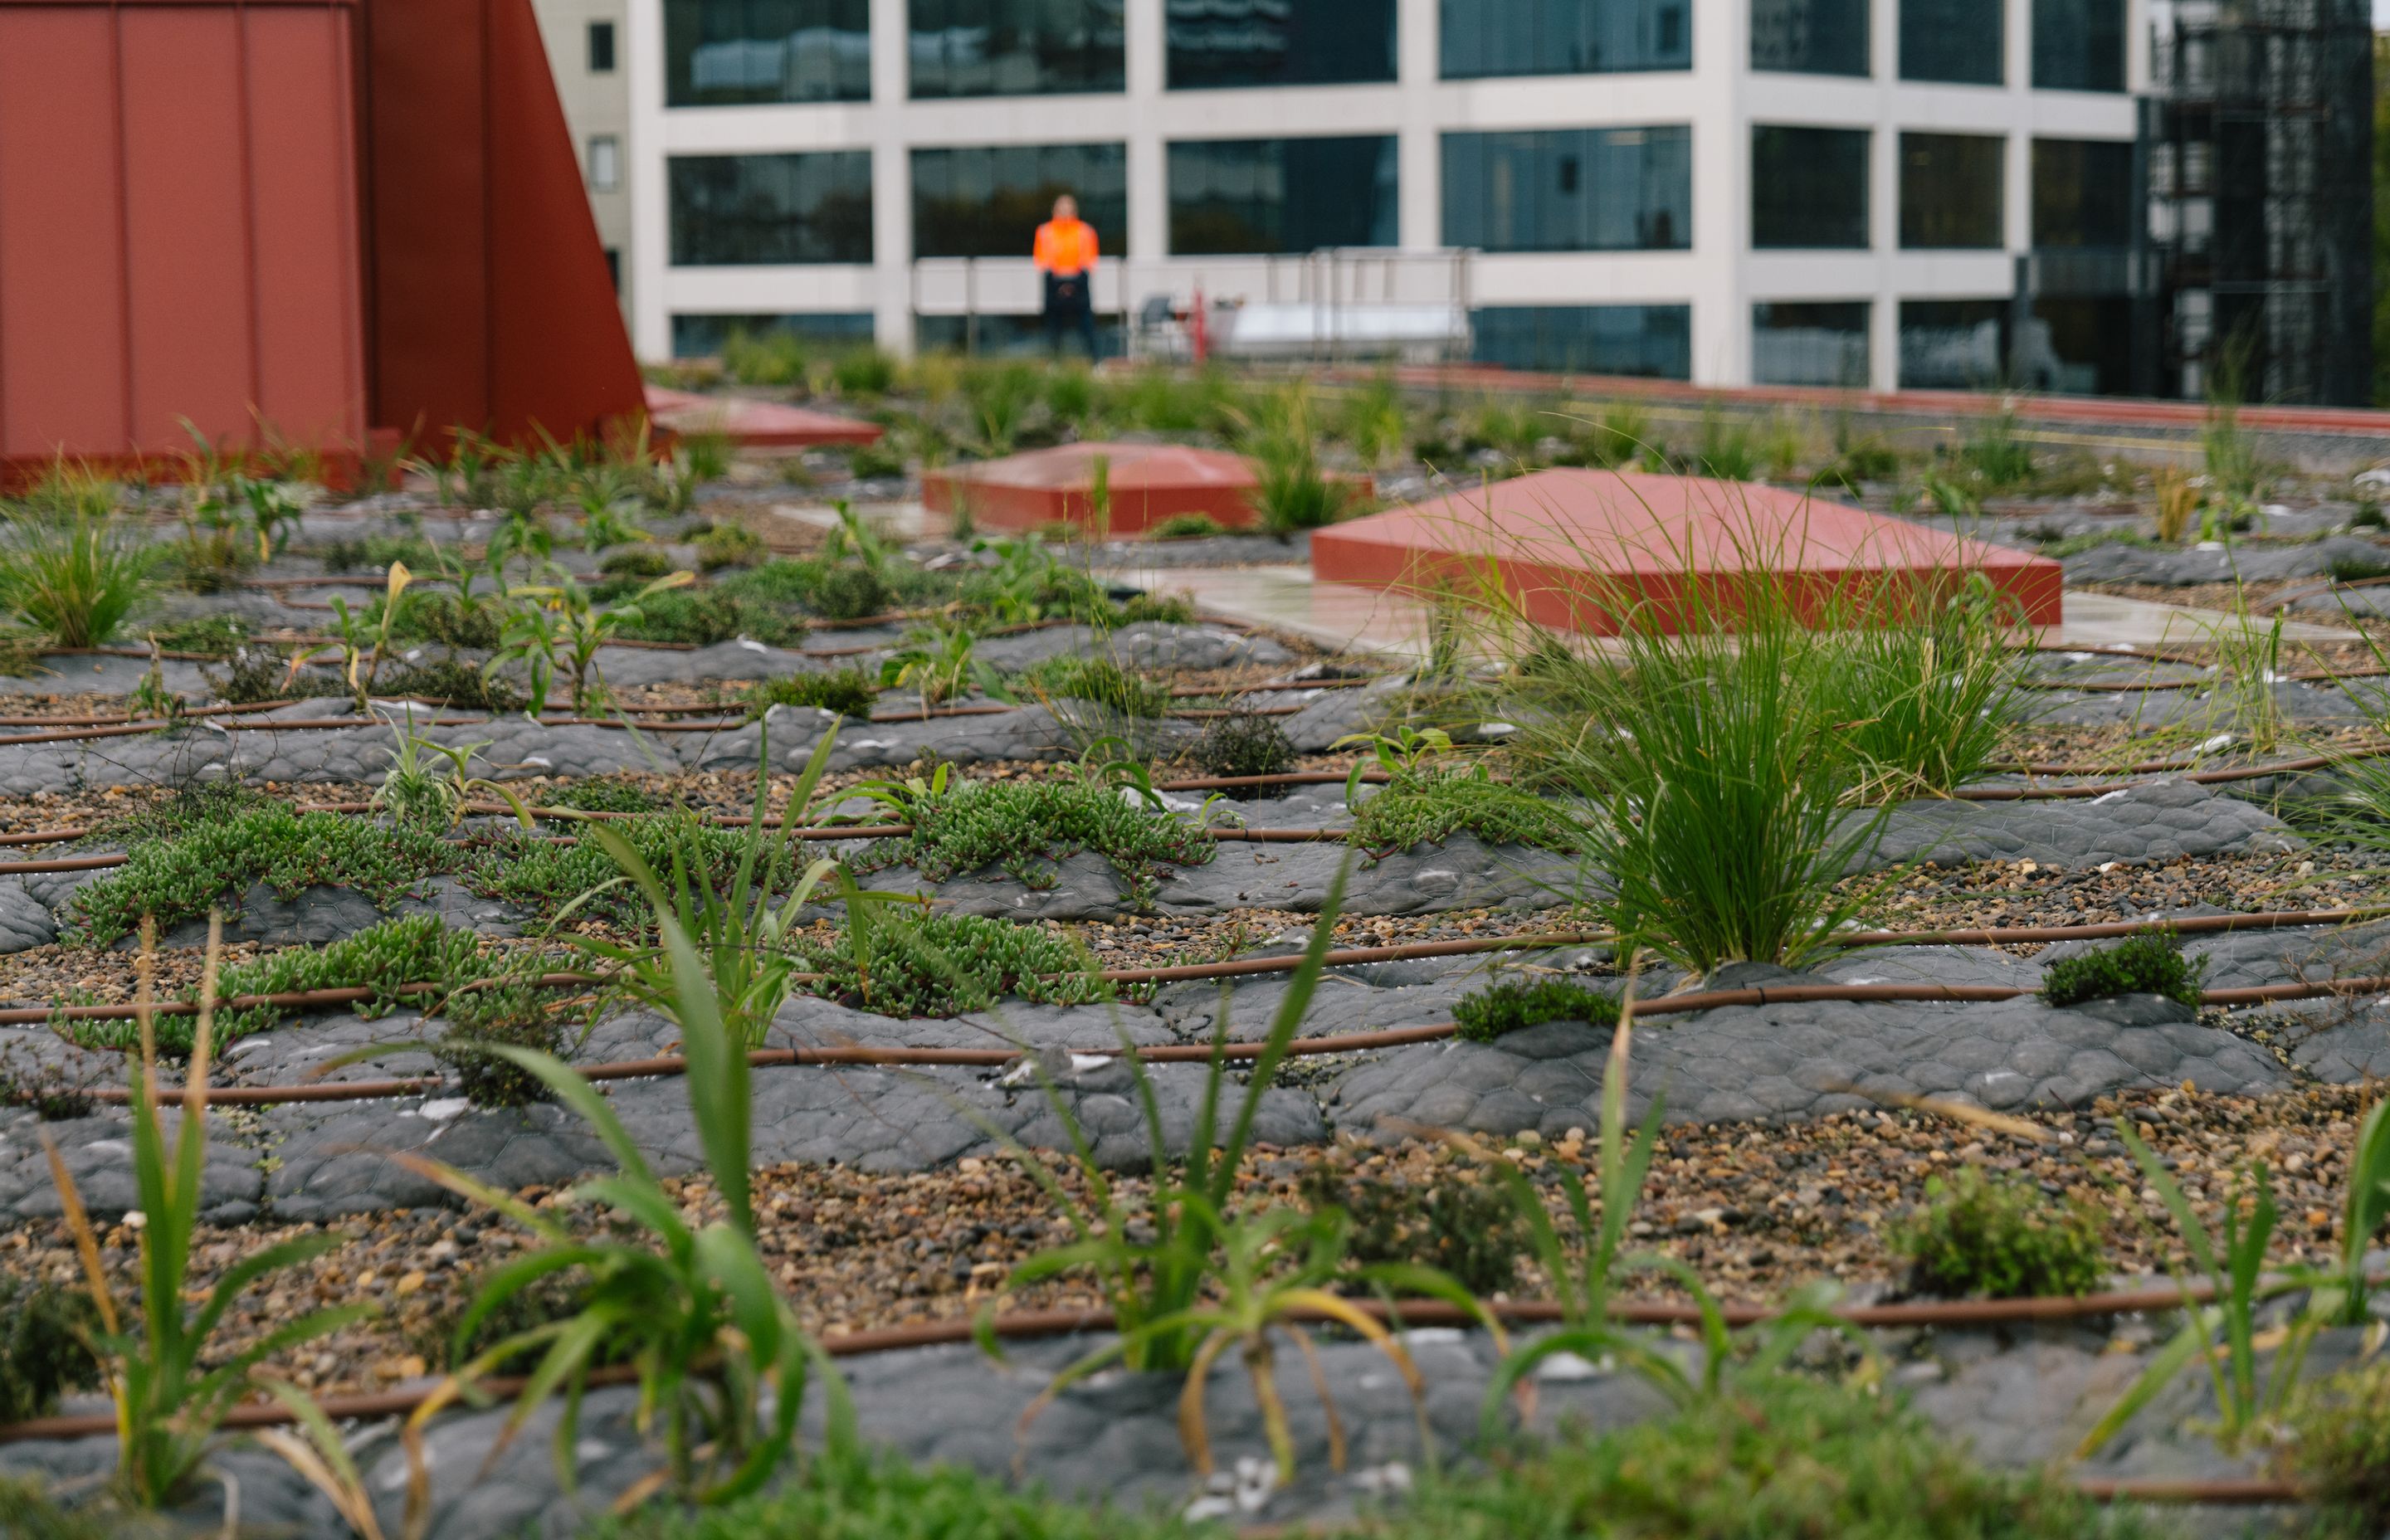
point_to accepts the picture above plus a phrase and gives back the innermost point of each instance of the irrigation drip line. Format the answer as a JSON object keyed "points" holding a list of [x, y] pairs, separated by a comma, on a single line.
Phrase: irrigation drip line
{"points": [[1033, 1324], [1166, 1053]]}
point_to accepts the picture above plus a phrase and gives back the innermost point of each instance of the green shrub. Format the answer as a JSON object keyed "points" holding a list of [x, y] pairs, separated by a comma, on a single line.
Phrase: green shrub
{"points": [[1158, 609], [834, 590], [1027, 827], [450, 679], [863, 373], [730, 546], [1244, 745], [847, 691], [642, 562], [2000, 1239], [704, 616], [2358, 569], [517, 1016], [348, 555], [1425, 806], [218, 858], [2340, 1449], [2150, 962], [42, 1355], [1187, 526], [946, 965], [1467, 1226], [1492, 1012], [885, 1499], [774, 358], [1778, 1456], [1101, 681], [448, 619]]}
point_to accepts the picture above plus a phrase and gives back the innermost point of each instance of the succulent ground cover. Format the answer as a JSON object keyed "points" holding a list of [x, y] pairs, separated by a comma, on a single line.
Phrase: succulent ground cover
{"points": [[1885, 1195]]}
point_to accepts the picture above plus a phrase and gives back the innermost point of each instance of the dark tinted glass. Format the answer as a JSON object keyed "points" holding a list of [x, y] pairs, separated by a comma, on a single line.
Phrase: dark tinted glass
{"points": [[725, 52], [748, 210], [2082, 192], [1016, 48], [2078, 45], [1565, 37], [1652, 341], [1808, 187], [1810, 343], [1950, 190], [1006, 336], [1590, 190], [1952, 40], [2081, 346], [1953, 344], [1243, 195], [601, 47], [987, 201], [1279, 41], [702, 336], [1810, 37]]}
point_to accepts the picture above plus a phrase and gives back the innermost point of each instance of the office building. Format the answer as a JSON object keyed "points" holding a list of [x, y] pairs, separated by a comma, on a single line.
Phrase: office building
{"points": [[1817, 192], [586, 43]]}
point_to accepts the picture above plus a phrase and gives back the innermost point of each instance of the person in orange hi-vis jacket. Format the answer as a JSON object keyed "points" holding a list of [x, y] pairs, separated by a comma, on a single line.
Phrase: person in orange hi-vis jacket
{"points": [[1066, 255]]}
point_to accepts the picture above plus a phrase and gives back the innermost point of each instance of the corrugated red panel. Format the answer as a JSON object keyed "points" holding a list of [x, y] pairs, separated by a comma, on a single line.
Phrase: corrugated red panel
{"points": [[178, 227]]}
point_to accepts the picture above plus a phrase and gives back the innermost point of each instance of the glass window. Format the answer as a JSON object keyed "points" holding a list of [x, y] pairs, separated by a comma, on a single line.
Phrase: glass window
{"points": [[1810, 37], [2080, 346], [1810, 342], [702, 336], [601, 47], [1006, 336], [1959, 41], [1565, 37], [2082, 192], [748, 210], [2078, 45], [605, 163], [1215, 43], [721, 53], [1248, 196], [1951, 191], [1585, 189], [1016, 48], [1655, 342], [988, 201], [1808, 187], [1953, 344]]}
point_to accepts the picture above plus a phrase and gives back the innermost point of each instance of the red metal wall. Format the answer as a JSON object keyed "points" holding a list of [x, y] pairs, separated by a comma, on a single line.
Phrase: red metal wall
{"points": [[178, 226], [491, 305], [307, 217]]}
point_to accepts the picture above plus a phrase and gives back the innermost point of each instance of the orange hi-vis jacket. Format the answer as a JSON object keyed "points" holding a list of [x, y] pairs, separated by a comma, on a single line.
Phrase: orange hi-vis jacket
{"points": [[1065, 247]]}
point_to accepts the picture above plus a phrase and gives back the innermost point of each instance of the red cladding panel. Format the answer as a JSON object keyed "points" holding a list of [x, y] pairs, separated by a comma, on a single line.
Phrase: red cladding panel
{"points": [[491, 305], [178, 233]]}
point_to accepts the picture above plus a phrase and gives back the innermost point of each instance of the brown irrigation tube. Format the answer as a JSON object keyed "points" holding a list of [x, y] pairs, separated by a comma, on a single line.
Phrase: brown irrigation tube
{"points": [[1022, 1325]]}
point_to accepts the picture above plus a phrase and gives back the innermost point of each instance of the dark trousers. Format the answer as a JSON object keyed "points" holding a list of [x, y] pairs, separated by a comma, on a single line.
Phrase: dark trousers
{"points": [[1069, 304]]}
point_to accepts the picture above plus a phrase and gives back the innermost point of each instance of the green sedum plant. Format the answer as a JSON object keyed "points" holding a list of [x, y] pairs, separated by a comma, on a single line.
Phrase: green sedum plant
{"points": [[1983, 1238], [908, 961], [1027, 828], [1489, 1014], [847, 691], [2150, 962]]}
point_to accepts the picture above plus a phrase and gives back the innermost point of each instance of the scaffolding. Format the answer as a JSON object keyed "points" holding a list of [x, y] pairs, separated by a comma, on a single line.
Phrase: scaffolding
{"points": [[2259, 137]]}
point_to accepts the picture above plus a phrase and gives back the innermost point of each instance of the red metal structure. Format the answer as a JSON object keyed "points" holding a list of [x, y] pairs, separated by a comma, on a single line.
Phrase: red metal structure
{"points": [[317, 222], [1574, 548]]}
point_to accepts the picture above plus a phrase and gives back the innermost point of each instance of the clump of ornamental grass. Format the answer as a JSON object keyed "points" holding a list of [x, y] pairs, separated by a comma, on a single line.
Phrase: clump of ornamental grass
{"points": [[2000, 1239], [1187, 526], [1713, 736], [848, 691], [514, 1016], [44, 1332], [1099, 681], [1490, 1014], [2150, 962], [76, 581], [1921, 682]]}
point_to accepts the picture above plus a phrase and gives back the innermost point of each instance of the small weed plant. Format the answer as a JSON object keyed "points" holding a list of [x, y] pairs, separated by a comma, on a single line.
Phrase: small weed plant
{"points": [[516, 1016], [1493, 1013], [2150, 962], [1459, 1222], [1100, 681], [1987, 1238], [848, 691]]}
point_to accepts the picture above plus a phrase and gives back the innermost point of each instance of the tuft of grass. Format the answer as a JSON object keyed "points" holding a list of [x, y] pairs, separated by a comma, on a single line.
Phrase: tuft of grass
{"points": [[1100, 681], [847, 691], [1244, 745], [1028, 828], [1291, 493], [2340, 1449], [1999, 1239], [514, 1016], [74, 581], [1500, 1009], [2150, 962], [1187, 526], [1995, 455], [1923, 685]]}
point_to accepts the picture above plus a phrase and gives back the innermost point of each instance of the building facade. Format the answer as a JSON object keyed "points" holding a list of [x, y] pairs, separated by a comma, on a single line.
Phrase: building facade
{"points": [[587, 43], [1877, 193]]}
